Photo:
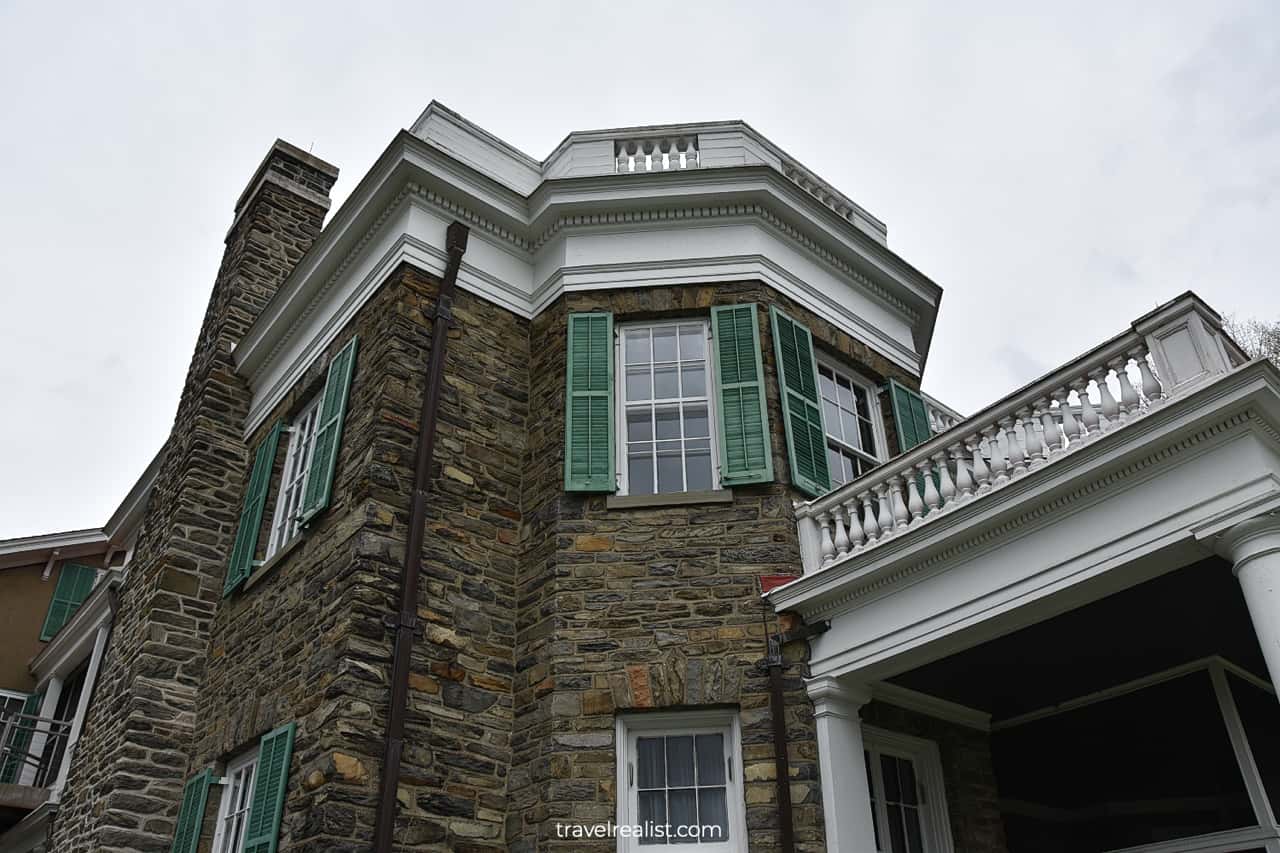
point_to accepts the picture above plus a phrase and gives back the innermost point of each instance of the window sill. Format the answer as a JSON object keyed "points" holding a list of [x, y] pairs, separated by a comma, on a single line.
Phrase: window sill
{"points": [[714, 496], [276, 559]]}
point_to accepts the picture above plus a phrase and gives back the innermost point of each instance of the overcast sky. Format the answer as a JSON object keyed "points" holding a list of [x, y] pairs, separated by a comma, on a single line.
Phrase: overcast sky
{"points": [[1057, 171]]}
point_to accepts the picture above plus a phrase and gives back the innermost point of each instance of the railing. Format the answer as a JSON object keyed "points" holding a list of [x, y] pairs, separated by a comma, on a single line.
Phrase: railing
{"points": [[1075, 405], [656, 154], [31, 748], [941, 418]]}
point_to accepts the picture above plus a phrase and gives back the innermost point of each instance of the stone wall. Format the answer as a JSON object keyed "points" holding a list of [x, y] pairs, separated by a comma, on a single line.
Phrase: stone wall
{"points": [[128, 769]]}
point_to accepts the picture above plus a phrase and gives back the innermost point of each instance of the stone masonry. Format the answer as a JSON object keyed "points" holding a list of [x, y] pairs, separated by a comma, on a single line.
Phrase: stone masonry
{"points": [[543, 614]]}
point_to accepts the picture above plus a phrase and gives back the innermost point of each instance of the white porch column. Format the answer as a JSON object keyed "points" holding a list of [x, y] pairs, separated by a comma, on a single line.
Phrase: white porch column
{"points": [[846, 800], [1253, 547], [82, 708], [35, 746]]}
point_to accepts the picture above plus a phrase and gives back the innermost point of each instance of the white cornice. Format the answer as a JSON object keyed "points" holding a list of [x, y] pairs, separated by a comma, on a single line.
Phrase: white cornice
{"points": [[523, 260]]}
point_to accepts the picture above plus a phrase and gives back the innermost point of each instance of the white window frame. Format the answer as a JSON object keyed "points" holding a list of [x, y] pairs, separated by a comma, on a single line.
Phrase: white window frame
{"points": [[620, 401], [874, 413], [630, 727], [245, 762], [302, 430], [935, 823]]}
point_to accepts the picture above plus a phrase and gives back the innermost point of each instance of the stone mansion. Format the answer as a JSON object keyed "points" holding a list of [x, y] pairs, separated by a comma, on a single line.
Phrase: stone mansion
{"points": [[592, 503]]}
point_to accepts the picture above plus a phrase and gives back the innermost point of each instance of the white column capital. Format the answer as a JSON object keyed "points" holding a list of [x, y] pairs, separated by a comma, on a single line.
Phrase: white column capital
{"points": [[1249, 540], [833, 697]]}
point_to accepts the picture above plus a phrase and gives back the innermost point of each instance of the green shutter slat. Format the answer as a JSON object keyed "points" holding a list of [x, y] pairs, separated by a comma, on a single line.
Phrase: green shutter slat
{"points": [[801, 405], [75, 582], [19, 738], [255, 499], [186, 837], [263, 828], [328, 440], [745, 452], [909, 416], [588, 429]]}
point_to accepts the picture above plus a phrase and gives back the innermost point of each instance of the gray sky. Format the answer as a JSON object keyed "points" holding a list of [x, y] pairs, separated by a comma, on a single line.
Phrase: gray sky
{"points": [[1057, 171]]}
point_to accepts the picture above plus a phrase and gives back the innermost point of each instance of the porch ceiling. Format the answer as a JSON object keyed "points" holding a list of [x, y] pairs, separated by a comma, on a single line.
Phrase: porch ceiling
{"points": [[1191, 613]]}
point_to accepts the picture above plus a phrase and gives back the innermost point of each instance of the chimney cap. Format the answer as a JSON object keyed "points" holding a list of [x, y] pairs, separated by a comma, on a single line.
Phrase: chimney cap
{"points": [[284, 150]]}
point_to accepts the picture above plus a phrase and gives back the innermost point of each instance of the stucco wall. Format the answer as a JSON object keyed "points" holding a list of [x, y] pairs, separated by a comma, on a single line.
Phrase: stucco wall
{"points": [[24, 600]]}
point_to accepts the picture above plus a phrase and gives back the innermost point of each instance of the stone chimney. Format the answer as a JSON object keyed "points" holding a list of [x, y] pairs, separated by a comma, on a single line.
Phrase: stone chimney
{"points": [[126, 777]]}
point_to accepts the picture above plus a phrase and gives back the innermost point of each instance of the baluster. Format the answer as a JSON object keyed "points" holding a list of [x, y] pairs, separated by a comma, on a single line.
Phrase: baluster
{"points": [[828, 544], [668, 155], [1031, 439], [1109, 408], [1128, 396], [635, 158], [841, 537], [964, 478], [869, 525], [946, 488], [1050, 436], [900, 516], [1091, 426], [915, 501], [856, 536], [621, 162], [886, 509], [999, 467], [932, 499], [1151, 388], [1013, 449], [1070, 429]]}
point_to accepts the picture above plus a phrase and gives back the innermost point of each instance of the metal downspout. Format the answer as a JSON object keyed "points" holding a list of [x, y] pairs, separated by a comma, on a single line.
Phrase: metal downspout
{"points": [[405, 621]]}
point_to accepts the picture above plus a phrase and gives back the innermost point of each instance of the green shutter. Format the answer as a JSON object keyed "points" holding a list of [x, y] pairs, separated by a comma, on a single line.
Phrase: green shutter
{"points": [[19, 738], [255, 499], [75, 582], [588, 428], [745, 452], [333, 410], [186, 838], [909, 416], [801, 405], [263, 828]]}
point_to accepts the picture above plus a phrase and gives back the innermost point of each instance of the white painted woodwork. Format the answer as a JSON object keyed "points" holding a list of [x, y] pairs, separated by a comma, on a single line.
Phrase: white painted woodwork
{"points": [[1254, 550], [846, 798]]}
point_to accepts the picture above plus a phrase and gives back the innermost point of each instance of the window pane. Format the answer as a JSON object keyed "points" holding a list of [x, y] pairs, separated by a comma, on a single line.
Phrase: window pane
{"points": [[653, 812], [835, 466], [640, 470], [694, 379], [850, 424], [698, 467], [710, 759], [852, 469], [713, 810], [696, 424], [914, 842], [639, 424], [831, 419], [826, 384], [680, 762], [892, 790], [650, 762], [637, 346], [844, 394], [670, 473], [907, 775], [667, 423], [666, 384], [638, 383], [684, 808], [860, 398], [693, 342], [664, 343], [868, 435], [897, 837], [871, 787]]}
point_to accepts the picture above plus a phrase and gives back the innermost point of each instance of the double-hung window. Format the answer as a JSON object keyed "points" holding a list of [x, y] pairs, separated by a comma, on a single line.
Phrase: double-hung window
{"points": [[851, 417], [287, 518], [680, 782], [665, 411], [233, 810], [908, 805]]}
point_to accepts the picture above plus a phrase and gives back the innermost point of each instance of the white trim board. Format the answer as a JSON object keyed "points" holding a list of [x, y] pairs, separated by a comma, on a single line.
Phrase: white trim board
{"points": [[700, 226]]}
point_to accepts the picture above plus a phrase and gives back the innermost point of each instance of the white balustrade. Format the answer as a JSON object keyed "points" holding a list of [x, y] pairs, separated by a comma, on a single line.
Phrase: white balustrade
{"points": [[657, 154], [967, 460]]}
